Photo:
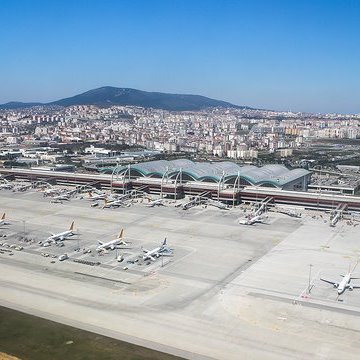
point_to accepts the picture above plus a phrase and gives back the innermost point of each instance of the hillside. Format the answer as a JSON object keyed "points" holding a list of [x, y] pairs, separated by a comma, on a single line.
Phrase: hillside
{"points": [[108, 95]]}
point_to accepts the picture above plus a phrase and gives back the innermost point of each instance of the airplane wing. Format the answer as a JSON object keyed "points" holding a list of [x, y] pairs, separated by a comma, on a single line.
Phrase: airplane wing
{"points": [[152, 258], [122, 242], [166, 254], [329, 282]]}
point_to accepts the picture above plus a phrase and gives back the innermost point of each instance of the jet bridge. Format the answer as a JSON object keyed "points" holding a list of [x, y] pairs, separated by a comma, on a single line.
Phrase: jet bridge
{"points": [[132, 194], [197, 200], [263, 205], [337, 214]]}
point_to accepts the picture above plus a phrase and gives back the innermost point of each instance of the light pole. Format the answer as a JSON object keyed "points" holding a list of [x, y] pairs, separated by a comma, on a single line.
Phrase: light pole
{"points": [[309, 286], [24, 221]]}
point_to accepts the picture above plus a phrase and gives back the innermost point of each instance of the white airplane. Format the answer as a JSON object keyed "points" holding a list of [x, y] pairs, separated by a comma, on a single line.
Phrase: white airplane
{"points": [[61, 236], [50, 192], [113, 244], [3, 221], [253, 220], [217, 204], [293, 213], [6, 185], [290, 212], [60, 197], [113, 203], [162, 250], [157, 202], [345, 283], [23, 187], [97, 196]]}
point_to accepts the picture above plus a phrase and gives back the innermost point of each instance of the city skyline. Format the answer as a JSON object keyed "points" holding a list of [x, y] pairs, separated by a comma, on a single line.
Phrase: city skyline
{"points": [[273, 55]]}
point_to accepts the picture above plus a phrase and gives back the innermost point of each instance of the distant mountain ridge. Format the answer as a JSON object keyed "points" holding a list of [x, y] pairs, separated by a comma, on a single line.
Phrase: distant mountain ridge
{"points": [[18, 105], [108, 95]]}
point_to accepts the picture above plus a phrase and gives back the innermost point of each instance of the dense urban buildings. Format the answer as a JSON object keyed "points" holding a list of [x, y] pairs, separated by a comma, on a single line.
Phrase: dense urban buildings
{"points": [[224, 133]]}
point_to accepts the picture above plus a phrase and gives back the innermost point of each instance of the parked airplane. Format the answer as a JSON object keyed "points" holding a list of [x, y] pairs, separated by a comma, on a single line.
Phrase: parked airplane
{"points": [[113, 203], [157, 202], [162, 250], [253, 220], [61, 197], [22, 188], [97, 196], [60, 236], [6, 185], [50, 192], [113, 244], [3, 221], [345, 283], [217, 204], [290, 212]]}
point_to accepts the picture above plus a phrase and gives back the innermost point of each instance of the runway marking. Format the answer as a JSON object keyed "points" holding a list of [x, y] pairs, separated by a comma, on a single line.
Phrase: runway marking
{"points": [[102, 278], [305, 303]]}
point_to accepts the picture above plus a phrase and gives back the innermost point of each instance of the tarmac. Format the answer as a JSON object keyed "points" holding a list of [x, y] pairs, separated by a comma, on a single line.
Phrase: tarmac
{"points": [[229, 291]]}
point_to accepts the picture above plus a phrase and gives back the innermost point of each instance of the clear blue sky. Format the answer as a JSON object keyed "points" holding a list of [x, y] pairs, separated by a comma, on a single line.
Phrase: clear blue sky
{"points": [[288, 55]]}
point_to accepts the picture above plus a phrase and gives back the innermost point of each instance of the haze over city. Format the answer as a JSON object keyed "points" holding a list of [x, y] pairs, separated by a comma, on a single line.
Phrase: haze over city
{"points": [[298, 56]]}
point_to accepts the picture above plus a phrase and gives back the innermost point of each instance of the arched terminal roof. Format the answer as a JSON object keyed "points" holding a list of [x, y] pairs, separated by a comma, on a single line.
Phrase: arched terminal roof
{"points": [[274, 175]]}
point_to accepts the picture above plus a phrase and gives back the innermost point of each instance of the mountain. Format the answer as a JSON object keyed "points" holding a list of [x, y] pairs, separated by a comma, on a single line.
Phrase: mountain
{"points": [[18, 105], [107, 96]]}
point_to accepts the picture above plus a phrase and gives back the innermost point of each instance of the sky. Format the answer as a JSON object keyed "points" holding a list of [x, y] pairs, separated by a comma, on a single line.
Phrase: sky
{"points": [[274, 54]]}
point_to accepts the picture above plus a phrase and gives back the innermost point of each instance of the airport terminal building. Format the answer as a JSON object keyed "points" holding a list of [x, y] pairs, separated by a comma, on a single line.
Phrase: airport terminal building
{"points": [[225, 174], [225, 181]]}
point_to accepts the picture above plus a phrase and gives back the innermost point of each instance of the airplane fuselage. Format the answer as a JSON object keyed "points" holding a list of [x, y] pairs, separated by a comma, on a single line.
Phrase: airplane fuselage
{"points": [[113, 203], [97, 197], [3, 220], [344, 284], [109, 245], [157, 252], [6, 186], [251, 221], [61, 236]]}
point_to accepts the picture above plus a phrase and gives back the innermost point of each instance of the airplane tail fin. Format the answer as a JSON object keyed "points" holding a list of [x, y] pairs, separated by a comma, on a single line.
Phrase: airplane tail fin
{"points": [[105, 203], [3, 216], [121, 234], [72, 226]]}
